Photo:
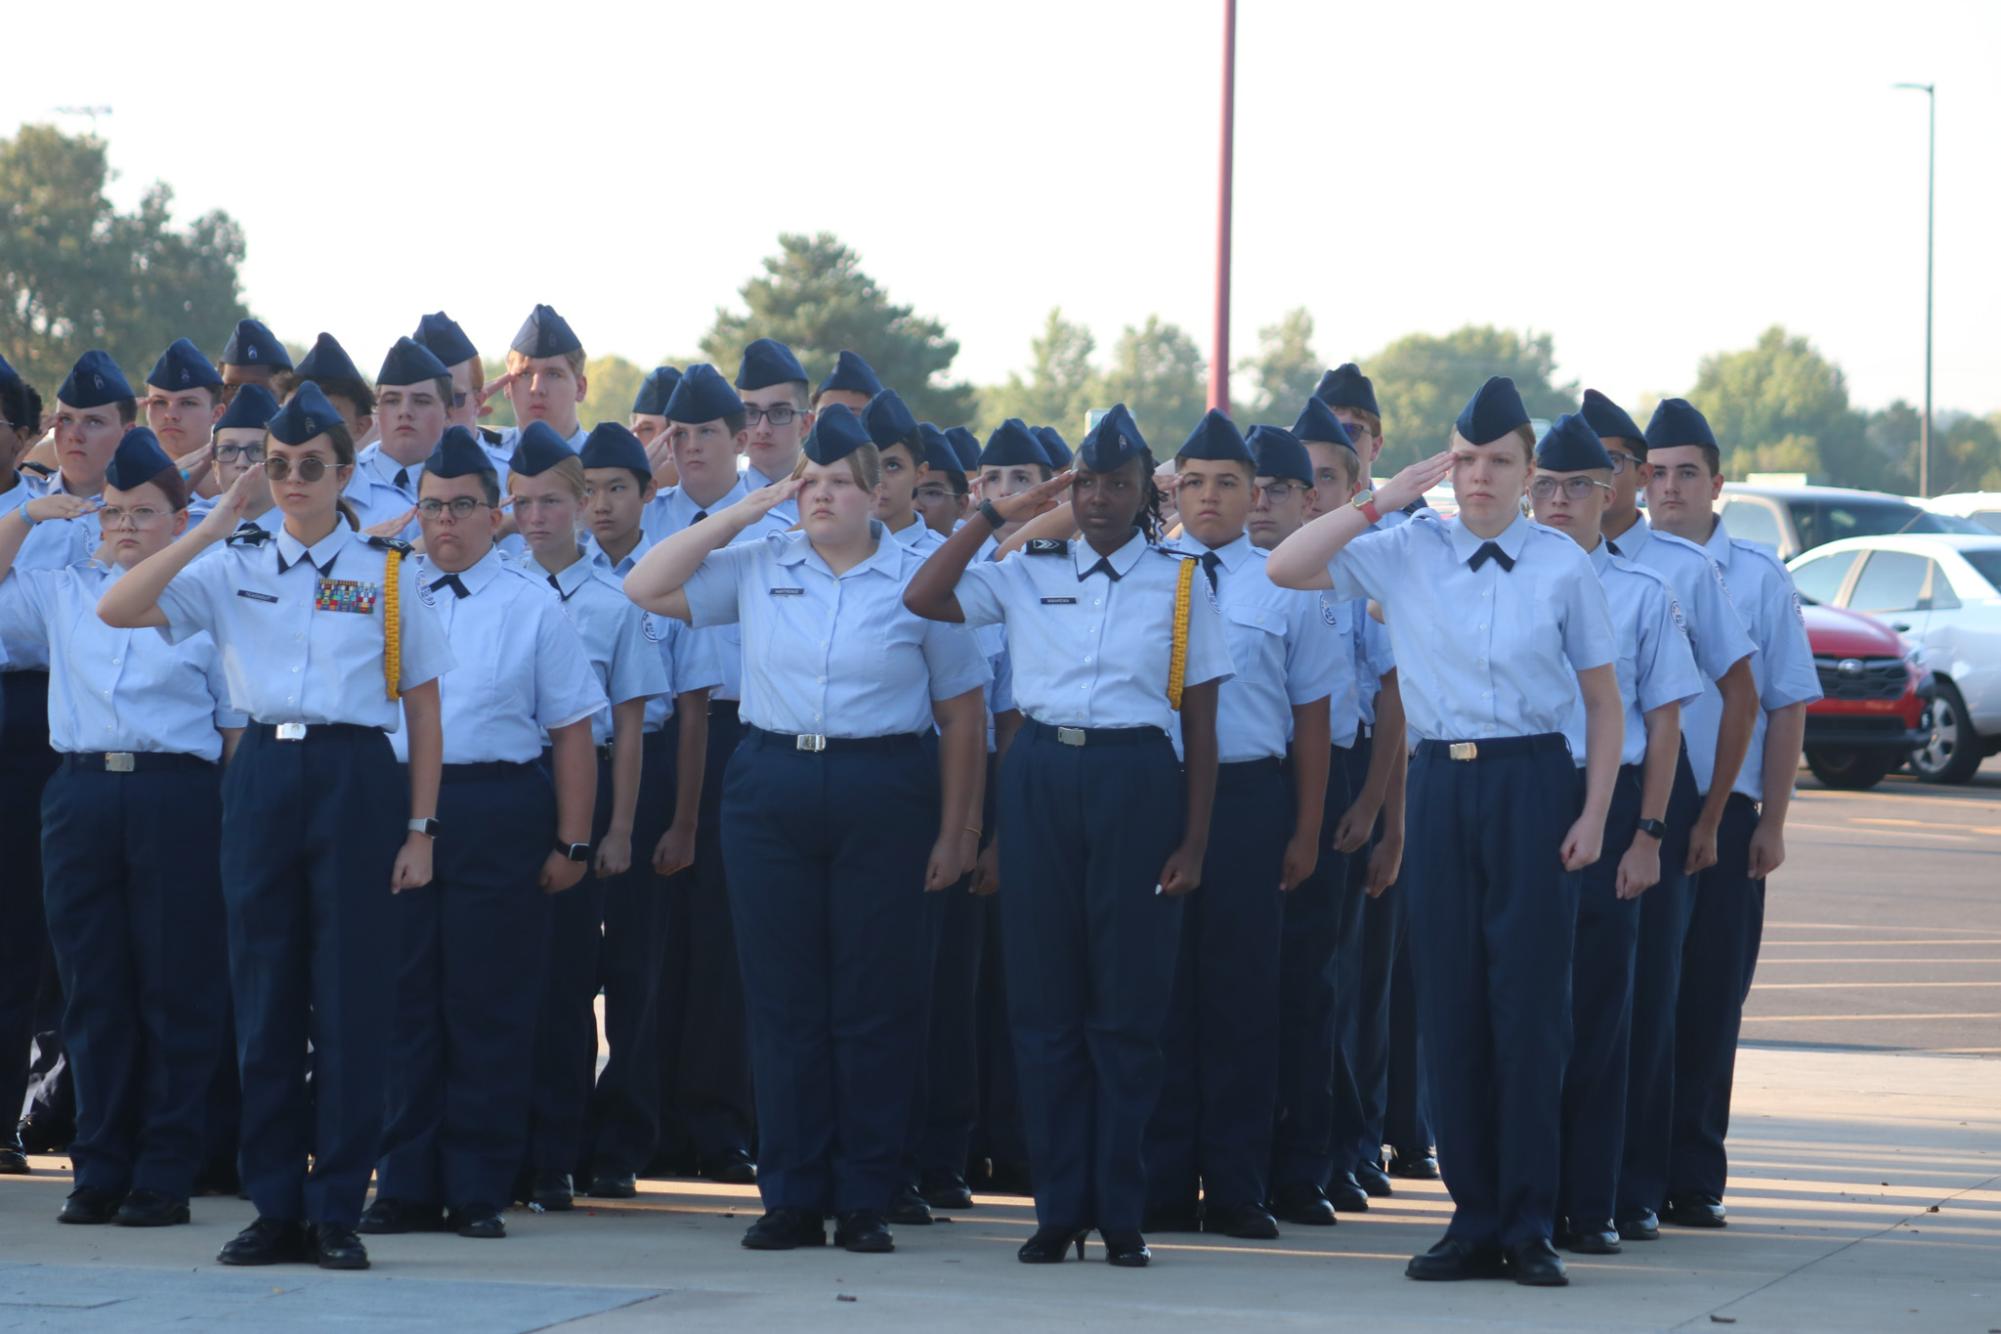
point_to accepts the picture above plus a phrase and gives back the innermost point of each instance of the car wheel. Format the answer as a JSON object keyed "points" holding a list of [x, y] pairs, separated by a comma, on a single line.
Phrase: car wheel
{"points": [[1851, 769], [1952, 753]]}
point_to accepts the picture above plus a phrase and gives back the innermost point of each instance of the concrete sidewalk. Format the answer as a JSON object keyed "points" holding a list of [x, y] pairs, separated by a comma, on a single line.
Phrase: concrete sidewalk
{"points": [[1866, 1195]]}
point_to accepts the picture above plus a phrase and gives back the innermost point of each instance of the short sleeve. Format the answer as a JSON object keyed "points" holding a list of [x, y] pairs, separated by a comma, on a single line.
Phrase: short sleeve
{"points": [[1312, 652], [1720, 640], [192, 601], [954, 660], [1208, 653], [566, 687], [982, 590], [1378, 651], [697, 657], [1790, 676], [426, 653], [1369, 565], [637, 669], [226, 712], [24, 631], [1587, 618], [714, 592], [1664, 663]]}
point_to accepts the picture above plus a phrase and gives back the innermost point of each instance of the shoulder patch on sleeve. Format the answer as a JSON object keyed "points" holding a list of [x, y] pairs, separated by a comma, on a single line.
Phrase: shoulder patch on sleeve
{"points": [[650, 628], [249, 535], [389, 544], [1048, 546], [1329, 612]]}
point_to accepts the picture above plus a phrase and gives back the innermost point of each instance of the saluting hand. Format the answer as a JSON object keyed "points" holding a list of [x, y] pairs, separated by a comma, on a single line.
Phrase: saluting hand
{"points": [[195, 466], [1038, 499], [1414, 481], [559, 873], [487, 391], [392, 527], [763, 500], [230, 510], [61, 505]]}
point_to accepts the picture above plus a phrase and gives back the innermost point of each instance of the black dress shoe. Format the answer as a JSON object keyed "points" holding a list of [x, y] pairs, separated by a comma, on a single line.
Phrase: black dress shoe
{"points": [[1127, 1250], [1416, 1167], [1248, 1222], [335, 1246], [268, 1241], [1451, 1260], [614, 1186], [1600, 1240], [1536, 1264], [785, 1230], [908, 1209], [479, 1221], [731, 1167], [553, 1191], [1172, 1218], [1346, 1194], [389, 1216], [149, 1208], [13, 1158], [1374, 1181], [945, 1190], [1640, 1227], [1303, 1203], [864, 1232], [1695, 1211], [89, 1207], [1051, 1245]]}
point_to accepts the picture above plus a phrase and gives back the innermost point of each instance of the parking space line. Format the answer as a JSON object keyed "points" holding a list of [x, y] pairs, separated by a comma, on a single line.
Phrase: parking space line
{"points": [[1862, 986], [1863, 1018]]}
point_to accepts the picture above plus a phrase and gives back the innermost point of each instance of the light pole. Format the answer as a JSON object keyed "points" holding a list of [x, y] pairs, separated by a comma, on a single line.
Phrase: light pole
{"points": [[1931, 168], [1219, 364]]}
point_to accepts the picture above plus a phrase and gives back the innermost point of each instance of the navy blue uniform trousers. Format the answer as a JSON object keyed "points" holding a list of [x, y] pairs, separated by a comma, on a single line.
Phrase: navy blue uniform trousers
{"points": [[472, 946], [1219, 1045], [310, 833], [1601, 1015], [1090, 959], [951, 1083], [999, 1137], [826, 855], [134, 898], [1493, 917], [1725, 927], [25, 765], [1407, 1105]]}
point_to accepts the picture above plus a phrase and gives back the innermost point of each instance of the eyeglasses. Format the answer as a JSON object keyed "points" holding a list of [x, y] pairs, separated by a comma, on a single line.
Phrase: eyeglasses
{"points": [[1276, 492], [231, 453], [461, 507], [139, 516], [1574, 488], [1621, 462], [310, 468], [778, 414]]}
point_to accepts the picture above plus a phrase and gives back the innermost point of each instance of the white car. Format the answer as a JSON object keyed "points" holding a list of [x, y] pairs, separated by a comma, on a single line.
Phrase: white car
{"points": [[1983, 507], [1942, 593]]}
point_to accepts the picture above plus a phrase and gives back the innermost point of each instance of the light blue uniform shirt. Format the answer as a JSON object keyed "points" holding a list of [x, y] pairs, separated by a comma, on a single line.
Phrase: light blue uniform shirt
{"points": [[755, 480], [1282, 653], [52, 544], [636, 653], [672, 509], [1481, 653], [1095, 650], [1374, 657], [522, 669], [1656, 666], [376, 493], [669, 512], [113, 690], [287, 660], [920, 537], [827, 654], [1762, 592]]}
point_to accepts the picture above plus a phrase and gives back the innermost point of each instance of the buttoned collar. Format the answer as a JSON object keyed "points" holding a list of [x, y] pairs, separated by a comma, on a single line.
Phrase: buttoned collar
{"points": [[377, 460], [1511, 540], [601, 558], [1232, 554], [321, 553], [1718, 546], [912, 533], [482, 571], [724, 501], [1085, 557], [1634, 540], [570, 578], [1601, 555]]}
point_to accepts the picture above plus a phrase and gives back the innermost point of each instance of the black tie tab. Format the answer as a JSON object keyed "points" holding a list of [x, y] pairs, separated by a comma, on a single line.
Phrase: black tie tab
{"points": [[402, 479], [452, 582], [1492, 551], [1210, 560], [1104, 567], [700, 515]]}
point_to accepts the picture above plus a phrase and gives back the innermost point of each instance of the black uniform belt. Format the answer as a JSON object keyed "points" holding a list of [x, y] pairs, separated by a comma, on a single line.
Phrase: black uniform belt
{"points": [[1093, 736], [722, 708], [1493, 747], [1250, 766], [132, 761], [484, 769], [305, 731], [757, 736]]}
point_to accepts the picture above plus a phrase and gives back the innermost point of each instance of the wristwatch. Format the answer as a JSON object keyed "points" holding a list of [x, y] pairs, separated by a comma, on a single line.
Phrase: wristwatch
{"points": [[576, 852], [992, 515], [1658, 828], [428, 827], [1365, 501]]}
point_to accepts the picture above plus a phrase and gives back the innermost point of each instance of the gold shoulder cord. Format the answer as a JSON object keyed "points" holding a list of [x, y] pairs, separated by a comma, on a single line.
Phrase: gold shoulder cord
{"points": [[1177, 662], [392, 622]]}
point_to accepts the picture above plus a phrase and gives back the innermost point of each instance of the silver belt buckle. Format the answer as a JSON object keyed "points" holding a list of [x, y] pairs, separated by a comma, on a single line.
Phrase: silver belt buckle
{"points": [[1464, 750], [1070, 736], [289, 731], [815, 744], [119, 762]]}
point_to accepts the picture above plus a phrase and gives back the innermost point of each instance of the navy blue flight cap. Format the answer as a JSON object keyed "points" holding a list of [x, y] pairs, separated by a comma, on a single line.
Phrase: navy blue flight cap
{"points": [[702, 396], [137, 460], [253, 406], [94, 381], [545, 334], [254, 345], [328, 361], [1013, 445], [654, 391], [305, 415], [836, 433], [889, 422], [1279, 454], [1317, 422], [459, 454], [966, 445], [1346, 387], [448, 343], [8, 375], [1570, 445], [852, 374], [410, 362], [1494, 410], [611, 445], [1215, 439], [539, 449], [1676, 421], [1608, 419], [1113, 442], [1055, 446], [767, 362], [939, 456], [182, 366]]}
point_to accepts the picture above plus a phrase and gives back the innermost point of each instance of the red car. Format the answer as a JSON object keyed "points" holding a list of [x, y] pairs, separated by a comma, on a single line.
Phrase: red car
{"points": [[1871, 713]]}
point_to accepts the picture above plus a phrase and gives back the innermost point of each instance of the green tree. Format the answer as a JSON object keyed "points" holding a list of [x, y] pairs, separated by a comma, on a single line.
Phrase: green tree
{"points": [[76, 274], [1966, 453], [612, 383], [1892, 436], [1780, 406], [814, 297], [1423, 380], [1157, 371], [1057, 391], [1282, 374]]}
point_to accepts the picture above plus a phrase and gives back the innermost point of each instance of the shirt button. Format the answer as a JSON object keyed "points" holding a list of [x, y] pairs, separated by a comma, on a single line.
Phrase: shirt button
{"points": [[295, 671], [1097, 602]]}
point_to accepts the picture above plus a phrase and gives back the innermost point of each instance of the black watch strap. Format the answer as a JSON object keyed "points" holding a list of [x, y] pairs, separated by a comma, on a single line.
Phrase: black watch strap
{"points": [[576, 852], [1657, 828], [992, 515]]}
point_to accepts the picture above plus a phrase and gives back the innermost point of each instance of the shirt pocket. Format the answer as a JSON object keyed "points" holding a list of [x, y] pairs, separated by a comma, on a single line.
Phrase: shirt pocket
{"points": [[1256, 639]]}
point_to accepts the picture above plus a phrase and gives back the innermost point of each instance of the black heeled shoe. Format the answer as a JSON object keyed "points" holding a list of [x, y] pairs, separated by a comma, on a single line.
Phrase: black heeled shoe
{"points": [[1051, 1245], [1127, 1250]]}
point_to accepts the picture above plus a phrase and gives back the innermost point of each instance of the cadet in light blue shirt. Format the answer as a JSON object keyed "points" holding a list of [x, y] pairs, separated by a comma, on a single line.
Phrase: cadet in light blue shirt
{"points": [[130, 828], [895, 435], [322, 825], [413, 404], [545, 382], [236, 448], [777, 404], [831, 806]]}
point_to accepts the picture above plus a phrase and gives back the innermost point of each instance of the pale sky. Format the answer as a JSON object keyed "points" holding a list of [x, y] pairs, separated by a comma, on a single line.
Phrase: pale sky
{"points": [[1646, 181]]}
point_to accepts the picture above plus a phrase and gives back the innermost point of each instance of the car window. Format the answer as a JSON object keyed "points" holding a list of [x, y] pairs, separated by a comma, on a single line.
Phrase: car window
{"points": [[1938, 589], [1819, 578], [1987, 564], [1822, 521], [1891, 581], [1988, 519], [1751, 521]]}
